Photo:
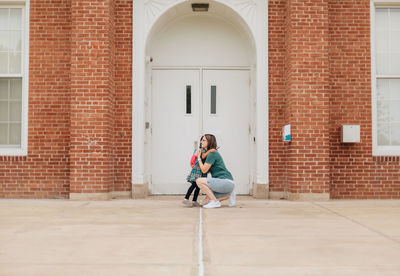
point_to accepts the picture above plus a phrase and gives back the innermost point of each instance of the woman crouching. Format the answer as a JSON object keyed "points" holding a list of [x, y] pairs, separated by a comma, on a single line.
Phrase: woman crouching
{"points": [[220, 186]]}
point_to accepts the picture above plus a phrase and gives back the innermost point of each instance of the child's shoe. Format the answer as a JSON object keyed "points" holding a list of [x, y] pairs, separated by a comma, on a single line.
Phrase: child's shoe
{"points": [[195, 204], [187, 202]]}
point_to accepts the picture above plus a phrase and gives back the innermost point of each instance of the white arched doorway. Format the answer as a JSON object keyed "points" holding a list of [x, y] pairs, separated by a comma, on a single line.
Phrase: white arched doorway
{"points": [[200, 75]]}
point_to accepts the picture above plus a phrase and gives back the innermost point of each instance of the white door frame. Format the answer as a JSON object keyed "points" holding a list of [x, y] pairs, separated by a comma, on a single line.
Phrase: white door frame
{"points": [[145, 14]]}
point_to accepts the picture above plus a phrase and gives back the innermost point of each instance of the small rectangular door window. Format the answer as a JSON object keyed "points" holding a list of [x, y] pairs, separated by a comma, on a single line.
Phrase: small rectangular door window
{"points": [[213, 99], [188, 99]]}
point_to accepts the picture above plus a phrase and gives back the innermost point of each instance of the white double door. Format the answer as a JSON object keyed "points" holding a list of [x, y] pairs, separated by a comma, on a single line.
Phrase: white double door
{"points": [[189, 103]]}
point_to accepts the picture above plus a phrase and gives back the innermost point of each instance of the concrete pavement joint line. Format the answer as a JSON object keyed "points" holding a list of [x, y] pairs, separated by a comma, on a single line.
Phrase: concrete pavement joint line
{"points": [[200, 249], [383, 267], [91, 264], [358, 223]]}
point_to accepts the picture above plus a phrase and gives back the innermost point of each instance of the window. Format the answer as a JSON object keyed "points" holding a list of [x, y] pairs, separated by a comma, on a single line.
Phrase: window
{"points": [[188, 99], [13, 79], [386, 80], [213, 100]]}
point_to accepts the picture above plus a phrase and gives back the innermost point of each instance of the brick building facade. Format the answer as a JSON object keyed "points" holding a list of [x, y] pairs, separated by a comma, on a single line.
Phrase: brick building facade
{"points": [[79, 120]]}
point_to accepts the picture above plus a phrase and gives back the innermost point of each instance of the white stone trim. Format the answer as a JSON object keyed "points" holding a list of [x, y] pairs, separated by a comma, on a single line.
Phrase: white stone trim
{"points": [[89, 196], [120, 195], [145, 14], [309, 196], [385, 3], [100, 196], [15, 2]]}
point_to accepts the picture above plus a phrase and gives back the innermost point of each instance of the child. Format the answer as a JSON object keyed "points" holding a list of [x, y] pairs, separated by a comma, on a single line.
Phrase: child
{"points": [[194, 174]]}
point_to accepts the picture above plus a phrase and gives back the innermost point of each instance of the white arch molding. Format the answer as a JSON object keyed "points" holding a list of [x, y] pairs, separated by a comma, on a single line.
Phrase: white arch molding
{"points": [[254, 13]]}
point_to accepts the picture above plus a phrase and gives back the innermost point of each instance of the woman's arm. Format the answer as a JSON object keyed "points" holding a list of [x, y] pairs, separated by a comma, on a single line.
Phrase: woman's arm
{"points": [[203, 167]]}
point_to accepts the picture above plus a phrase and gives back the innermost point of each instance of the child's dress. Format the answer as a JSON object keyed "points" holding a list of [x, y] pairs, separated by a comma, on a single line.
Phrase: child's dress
{"points": [[196, 171]]}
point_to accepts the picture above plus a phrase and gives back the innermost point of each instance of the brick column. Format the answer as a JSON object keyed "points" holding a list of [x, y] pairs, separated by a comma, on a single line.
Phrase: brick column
{"points": [[92, 99], [307, 99]]}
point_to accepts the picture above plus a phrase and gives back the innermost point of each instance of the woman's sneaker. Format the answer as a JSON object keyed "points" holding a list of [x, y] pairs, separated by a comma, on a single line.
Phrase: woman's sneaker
{"points": [[232, 199], [212, 204]]}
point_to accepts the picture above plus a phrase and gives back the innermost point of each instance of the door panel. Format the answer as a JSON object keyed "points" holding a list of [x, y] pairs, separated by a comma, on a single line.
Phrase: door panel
{"points": [[173, 130], [221, 108], [226, 103]]}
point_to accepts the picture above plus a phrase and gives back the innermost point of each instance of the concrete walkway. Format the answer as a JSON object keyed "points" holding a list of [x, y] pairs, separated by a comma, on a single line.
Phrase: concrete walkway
{"points": [[159, 236]]}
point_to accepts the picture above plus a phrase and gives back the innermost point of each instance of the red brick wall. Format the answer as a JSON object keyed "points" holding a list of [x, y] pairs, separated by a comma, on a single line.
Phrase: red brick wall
{"points": [[299, 95], [100, 122], [44, 173], [354, 172], [276, 95], [307, 96], [123, 89], [92, 96]]}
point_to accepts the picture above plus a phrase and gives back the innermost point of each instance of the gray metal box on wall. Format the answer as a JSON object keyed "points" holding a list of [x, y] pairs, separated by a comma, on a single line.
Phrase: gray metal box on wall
{"points": [[350, 134]]}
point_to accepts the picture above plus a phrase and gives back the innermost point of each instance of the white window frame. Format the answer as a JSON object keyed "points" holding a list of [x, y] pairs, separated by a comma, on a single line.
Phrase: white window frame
{"points": [[23, 149], [376, 149]]}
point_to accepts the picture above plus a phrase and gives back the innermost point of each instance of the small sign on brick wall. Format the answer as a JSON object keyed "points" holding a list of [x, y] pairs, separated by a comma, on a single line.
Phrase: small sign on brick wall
{"points": [[286, 133]]}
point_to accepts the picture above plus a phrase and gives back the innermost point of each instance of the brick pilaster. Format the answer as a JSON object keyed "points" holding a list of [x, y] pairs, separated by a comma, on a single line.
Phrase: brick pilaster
{"points": [[92, 99], [307, 99]]}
